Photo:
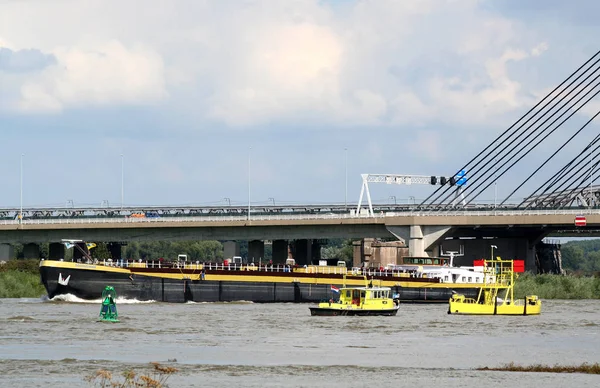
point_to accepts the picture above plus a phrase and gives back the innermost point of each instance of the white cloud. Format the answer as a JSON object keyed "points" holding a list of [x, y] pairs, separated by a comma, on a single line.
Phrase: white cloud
{"points": [[369, 63], [102, 74]]}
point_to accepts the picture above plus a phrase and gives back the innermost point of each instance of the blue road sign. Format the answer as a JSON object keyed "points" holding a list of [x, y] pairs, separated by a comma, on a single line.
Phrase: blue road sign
{"points": [[461, 178]]}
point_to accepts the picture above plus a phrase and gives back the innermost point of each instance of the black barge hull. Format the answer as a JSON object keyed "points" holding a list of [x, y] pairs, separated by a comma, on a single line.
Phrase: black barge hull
{"points": [[88, 284]]}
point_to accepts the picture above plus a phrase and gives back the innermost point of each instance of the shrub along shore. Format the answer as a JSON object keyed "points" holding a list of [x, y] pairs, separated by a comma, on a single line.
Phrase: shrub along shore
{"points": [[21, 279]]}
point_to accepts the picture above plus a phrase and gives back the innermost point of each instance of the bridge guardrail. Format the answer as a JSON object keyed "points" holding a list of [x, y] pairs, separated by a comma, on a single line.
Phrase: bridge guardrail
{"points": [[90, 220]]}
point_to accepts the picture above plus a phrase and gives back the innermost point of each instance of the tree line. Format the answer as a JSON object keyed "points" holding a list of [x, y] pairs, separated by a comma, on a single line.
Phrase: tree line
{"points": [[581, 256]]}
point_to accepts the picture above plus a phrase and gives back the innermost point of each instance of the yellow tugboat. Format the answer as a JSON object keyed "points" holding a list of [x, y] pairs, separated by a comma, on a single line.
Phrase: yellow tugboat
{"points": [[368, 300], [496, 295]]}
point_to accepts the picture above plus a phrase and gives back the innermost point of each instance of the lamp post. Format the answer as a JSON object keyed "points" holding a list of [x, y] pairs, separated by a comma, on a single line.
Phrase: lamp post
{"points": [[394, 198], [272, 199], [411, 199], [249, 149], [346, 178], [122, 181], [493, 246], [228, 200], [21, 190]]}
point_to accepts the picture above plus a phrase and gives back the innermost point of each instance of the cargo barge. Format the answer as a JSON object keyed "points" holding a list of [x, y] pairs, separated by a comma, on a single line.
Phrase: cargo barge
{"points": [[210, 282]]}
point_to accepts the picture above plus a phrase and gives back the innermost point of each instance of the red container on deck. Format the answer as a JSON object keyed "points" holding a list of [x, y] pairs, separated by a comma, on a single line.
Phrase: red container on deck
{"points": [[519, 265]]}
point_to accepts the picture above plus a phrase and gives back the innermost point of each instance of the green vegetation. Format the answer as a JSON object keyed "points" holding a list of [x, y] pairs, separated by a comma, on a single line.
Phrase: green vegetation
{"points": [[581, 257], [557, 286], [20, 279], [583, 368]]}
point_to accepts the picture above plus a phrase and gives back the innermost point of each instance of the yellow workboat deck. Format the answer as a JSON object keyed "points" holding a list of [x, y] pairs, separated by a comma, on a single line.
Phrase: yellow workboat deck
{"points": [[496, 296]]}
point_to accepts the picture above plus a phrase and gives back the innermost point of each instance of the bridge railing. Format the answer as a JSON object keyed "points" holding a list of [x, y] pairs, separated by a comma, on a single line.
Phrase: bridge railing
{"points": [[382, 215]]}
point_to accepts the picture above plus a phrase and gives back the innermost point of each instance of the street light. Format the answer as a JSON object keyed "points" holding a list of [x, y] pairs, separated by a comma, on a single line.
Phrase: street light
{"points": [[249, 149], [272, 199], [393, 197], [346, 178], [122, 181], [21, 189], [493, 246], [228, 200], [411, 198]]}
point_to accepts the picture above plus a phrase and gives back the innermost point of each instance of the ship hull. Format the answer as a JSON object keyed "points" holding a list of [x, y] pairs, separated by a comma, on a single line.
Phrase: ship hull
{"points": [[87, 282], [321, 311]]}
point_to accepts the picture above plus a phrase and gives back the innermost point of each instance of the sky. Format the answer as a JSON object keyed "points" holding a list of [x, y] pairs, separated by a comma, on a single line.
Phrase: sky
{"points": [[211, 102]]}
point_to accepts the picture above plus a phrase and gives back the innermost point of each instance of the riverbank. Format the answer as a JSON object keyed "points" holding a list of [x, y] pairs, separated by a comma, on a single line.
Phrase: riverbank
{"points": [[558, 286], [20, 279]]}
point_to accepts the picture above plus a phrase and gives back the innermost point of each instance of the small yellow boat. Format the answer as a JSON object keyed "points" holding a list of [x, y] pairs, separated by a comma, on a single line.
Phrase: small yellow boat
{"points": [[368, 300], [496, 297]]}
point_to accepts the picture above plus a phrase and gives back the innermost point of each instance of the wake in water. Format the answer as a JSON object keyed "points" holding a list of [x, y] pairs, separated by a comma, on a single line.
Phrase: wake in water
{"points": [[70, 298]]}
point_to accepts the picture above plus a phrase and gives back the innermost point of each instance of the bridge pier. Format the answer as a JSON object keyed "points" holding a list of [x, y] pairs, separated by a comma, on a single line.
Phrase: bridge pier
{"points": [[56, 251], [230, 249], [115, 250], [280, 251], [421, 239], [301, 250], [315, 251], [31, 251], [6, 252], [256, 251]]}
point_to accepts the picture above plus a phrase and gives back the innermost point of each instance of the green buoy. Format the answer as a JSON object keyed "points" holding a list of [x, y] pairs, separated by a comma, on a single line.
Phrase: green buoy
{"points": [[108, 311]]}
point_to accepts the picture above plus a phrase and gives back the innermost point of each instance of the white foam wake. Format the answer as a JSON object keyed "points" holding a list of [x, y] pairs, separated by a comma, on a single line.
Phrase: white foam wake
{"points": [[74, 299]]}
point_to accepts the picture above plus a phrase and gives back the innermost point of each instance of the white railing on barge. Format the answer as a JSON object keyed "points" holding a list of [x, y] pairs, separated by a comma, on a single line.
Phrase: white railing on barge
{"points": [[310, 269]]}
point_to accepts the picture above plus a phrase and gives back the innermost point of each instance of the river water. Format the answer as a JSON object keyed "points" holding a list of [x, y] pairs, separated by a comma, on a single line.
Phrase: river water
{"points": [[58, 343]]}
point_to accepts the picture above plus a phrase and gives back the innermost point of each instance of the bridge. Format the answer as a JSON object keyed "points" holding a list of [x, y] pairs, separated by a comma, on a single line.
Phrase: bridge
{"points": [[449, 214]]}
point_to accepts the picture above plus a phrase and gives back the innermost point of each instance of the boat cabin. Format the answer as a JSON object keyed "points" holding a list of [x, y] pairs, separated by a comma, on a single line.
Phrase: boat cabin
{"points": [[364, 296]]}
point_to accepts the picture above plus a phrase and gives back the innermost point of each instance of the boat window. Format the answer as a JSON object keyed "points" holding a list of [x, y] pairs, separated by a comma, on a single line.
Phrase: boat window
{"points": [[436, 261], [362, 294], [477, 280], [470, 279], [446, 278], [348, 294], [463, 278]]}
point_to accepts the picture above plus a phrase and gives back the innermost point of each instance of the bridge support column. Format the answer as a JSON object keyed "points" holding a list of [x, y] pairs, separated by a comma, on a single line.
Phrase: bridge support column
{"points": [[56, 251], [422, 240], [280, 251], [315, 251], [230, 249], [31, 251], [302, 251], [115, 250], [256, 251], [6, 252]]}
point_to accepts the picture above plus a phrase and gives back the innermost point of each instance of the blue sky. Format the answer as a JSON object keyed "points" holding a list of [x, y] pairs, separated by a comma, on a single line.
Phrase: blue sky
{"points": [[183, 89]]}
